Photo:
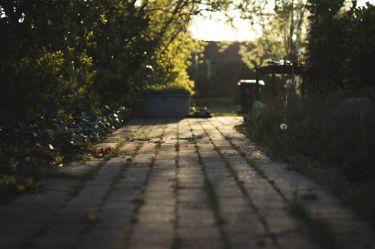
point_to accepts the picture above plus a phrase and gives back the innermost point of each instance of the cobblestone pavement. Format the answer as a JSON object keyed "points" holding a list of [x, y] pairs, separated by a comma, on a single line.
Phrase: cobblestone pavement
{"points": [[192, 183]]}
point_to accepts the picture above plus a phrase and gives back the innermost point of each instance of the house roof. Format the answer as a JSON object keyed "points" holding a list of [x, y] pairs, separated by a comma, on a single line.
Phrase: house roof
{"points": [[231, 53]]}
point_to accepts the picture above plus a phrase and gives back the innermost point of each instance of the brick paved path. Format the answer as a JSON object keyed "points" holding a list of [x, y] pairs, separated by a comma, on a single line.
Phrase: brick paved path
{"points": [[194, 183]]}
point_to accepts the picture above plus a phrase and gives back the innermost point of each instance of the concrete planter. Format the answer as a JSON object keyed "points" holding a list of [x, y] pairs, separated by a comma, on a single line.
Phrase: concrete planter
{"points": [[166, 105]]}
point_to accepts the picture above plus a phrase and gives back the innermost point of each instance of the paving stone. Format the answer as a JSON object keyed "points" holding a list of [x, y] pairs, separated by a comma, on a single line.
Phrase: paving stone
{"points": [[207, 232], [295, 239], [63, 185], [174, 205], [156, 217], [198, 243], [290, 183], [103, 238], [155, 208], [58, 236]]}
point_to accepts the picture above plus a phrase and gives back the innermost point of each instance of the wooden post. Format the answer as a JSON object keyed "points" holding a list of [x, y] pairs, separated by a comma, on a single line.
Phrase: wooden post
{"points": [[256, 87], [274, 92]]}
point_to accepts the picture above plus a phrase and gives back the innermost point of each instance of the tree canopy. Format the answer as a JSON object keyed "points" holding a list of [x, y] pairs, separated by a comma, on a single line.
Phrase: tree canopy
{"points": [[341, 39], [66, 64], [284, 27], [86, 53]]}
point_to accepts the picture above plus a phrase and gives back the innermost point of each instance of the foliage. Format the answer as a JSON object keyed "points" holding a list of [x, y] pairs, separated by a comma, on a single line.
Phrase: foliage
{"points": [[283, 31], [167, 88], [11, 185], [331, 127], [324, 128], [73, 70], [34, 146], [264, 127], [361, 47], [329, 138], [341, 41], [168, 68]]}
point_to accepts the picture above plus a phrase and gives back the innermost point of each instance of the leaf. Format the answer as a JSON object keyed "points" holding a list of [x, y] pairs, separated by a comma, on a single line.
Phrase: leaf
{"points": [[93, 218]]}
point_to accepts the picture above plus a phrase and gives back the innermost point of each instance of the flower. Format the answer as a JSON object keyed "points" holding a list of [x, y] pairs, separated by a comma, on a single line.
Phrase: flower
{"points": [[20, 187], [283, 126], [50, 146]]}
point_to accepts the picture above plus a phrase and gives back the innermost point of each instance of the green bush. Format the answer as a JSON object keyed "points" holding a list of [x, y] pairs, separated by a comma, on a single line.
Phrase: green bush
{"points": [[264, 126], [330, 129], [71, 71], [341, 44], [167, 88], [35, 145]]}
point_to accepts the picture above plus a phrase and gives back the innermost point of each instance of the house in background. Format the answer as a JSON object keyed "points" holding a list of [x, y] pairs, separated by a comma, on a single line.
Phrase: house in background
{"points": [[218, 75]]}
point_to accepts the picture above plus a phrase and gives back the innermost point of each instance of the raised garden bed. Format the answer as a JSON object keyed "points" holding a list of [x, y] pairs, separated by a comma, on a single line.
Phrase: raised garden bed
{"points": [[167, 100], [166, 105]]}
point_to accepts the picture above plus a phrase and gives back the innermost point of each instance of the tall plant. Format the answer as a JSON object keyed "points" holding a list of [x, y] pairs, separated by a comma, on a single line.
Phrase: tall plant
{"points": [[341, 40], [283, 25]]}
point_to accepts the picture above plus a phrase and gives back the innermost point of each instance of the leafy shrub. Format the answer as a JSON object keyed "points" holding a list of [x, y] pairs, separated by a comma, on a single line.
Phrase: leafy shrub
{"points": [[341, 43], [167, 88], [264, 126], [29, 148], [67, 66], [331, 129]]}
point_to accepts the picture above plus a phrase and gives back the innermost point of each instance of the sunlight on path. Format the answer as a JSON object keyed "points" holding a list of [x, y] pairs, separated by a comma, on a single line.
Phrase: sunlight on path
{"points": [[192, 183]]}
